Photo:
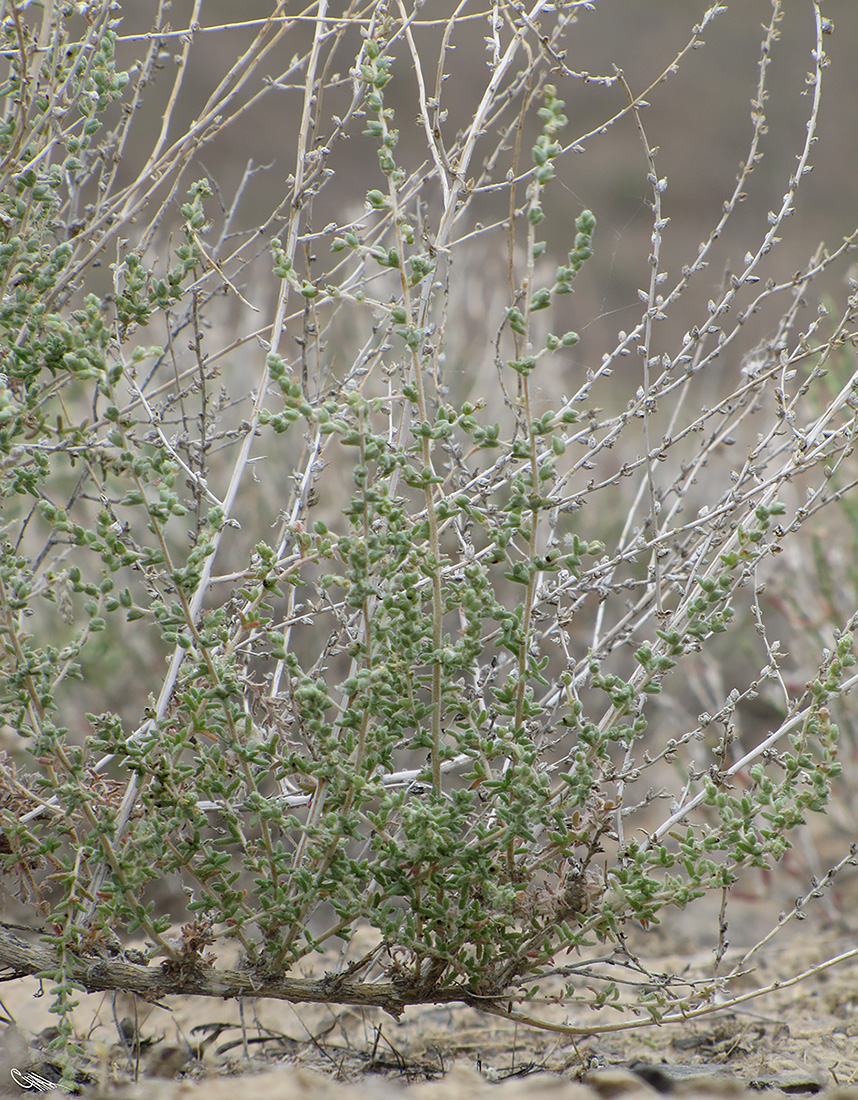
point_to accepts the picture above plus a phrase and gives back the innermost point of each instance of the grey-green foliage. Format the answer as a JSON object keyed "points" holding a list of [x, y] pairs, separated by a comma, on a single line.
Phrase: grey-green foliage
{"points": [[379, 722]]}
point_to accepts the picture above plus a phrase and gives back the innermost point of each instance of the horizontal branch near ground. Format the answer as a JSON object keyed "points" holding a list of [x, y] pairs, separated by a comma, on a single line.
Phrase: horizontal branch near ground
{"points": [[97, 973]]}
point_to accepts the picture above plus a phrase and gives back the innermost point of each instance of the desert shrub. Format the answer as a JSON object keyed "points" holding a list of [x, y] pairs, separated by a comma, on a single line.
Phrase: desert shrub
{"points": [[342, 586]]}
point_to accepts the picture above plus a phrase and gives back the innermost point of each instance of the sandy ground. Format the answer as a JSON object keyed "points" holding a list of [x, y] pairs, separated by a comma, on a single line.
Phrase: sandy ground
{"points": [[801, 1039]]}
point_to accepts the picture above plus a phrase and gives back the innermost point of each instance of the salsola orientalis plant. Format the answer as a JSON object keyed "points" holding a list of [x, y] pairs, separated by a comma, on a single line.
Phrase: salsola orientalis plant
{"points": [[417, 601]]}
